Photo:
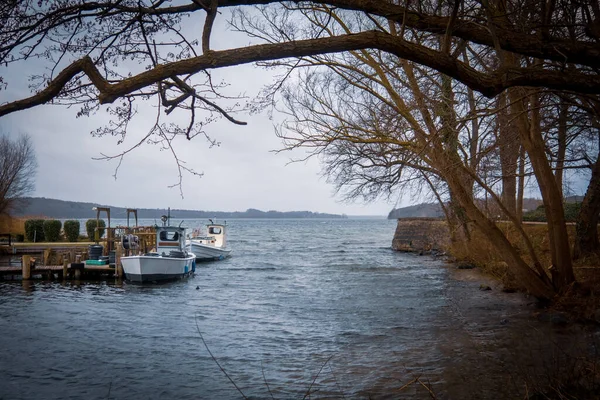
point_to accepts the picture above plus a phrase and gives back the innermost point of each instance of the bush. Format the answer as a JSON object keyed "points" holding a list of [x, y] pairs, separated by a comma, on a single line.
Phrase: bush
{"points": [[572, 211], [34, 230], [19, 237], [52, 230], [539, 214], [90, 226], [71, 228]]}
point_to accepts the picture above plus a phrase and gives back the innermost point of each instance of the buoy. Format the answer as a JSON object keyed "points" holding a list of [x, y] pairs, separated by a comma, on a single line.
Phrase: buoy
{"points": [[197, 287]]}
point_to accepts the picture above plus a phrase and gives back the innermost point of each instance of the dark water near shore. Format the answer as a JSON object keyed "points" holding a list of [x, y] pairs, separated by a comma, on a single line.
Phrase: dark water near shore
{"points": [[319, 305]]}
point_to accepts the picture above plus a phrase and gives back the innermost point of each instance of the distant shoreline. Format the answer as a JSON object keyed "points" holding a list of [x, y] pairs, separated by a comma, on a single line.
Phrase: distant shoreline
{"points": [[62, 209]]}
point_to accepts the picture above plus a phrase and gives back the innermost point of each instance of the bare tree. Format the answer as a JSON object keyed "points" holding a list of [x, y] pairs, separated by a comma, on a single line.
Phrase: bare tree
{"points": [[380, 122], [17, 170]]}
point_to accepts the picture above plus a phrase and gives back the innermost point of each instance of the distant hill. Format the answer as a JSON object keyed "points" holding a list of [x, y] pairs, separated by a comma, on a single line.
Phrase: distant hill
{"points": [[53, 208]]}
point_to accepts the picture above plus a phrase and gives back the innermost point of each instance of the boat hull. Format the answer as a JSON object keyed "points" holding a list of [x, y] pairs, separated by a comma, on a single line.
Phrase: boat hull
{"points": [[205, 252], [157, 268]]}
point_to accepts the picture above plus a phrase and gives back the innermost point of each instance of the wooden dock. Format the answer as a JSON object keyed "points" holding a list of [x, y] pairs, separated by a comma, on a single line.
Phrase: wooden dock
{"points": [[29, 268], [66, 260]]}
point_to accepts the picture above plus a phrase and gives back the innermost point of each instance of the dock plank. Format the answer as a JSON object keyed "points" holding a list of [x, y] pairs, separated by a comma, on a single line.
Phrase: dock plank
{"points": [[17, 270]]}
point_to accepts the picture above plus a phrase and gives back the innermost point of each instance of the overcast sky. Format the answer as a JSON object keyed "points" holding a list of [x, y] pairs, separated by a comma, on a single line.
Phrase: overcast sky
{"points": [[243, 172]]}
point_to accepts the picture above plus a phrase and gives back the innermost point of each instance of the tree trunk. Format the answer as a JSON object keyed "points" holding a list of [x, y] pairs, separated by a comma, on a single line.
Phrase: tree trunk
{"points": [[586, 240], [508, 148], [538, 286], [533, 142], [521, 189], [562, 145]]}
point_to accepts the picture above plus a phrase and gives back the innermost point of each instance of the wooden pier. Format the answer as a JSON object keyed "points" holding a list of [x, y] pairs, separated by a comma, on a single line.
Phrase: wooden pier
{"points": [[56, 261], [30, 270], [64, 260]]}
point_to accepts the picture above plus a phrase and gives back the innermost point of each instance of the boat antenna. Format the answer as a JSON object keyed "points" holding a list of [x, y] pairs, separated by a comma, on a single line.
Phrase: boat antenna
{"points": [[169, 215]]}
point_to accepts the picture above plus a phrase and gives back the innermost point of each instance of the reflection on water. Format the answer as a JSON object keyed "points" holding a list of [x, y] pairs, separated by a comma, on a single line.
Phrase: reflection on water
{"points": [[302, 305]]}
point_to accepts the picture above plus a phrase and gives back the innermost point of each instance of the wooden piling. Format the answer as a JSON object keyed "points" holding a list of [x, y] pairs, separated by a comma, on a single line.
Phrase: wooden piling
{"points": [[118, 254], [65, 269], [46, 257], [26, 267]]}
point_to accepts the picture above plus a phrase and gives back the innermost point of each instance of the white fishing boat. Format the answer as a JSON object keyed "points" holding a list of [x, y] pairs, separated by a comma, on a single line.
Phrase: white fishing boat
{"points": [[212, 246], [169, 261]]}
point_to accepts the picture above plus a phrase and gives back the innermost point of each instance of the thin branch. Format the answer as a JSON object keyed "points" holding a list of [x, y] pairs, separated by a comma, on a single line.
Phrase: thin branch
{"points": [[215, 359]]}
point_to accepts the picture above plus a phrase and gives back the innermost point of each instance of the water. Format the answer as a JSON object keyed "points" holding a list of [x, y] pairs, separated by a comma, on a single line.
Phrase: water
{"points": [[304, 306]]}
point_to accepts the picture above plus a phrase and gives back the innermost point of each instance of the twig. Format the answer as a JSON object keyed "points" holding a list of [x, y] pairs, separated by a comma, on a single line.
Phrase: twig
{"points": [[316, 376], [215, 360], [336, 382], [427, 387], [265, 379], [408, 384]]}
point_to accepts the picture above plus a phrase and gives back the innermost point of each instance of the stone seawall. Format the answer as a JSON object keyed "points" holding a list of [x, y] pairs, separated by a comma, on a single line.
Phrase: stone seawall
{"points": [[421, 234]]}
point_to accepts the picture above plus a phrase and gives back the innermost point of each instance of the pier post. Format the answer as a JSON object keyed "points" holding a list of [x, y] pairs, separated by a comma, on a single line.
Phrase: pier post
{"points": [[118, 254], [65, 269], [46, 257], [26, 267]]}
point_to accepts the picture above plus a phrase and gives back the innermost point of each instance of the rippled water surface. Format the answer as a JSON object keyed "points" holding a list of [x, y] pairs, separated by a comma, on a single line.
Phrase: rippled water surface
{"points": [[304, 306]]}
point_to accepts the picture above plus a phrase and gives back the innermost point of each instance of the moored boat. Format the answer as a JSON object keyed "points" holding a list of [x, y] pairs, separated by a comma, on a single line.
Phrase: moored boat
{"points": [[170, 260], [212, 246]]}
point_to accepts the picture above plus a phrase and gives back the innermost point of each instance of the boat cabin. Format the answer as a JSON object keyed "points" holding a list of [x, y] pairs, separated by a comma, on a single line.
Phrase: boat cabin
{"points": [[215, 235], [169, 238]]}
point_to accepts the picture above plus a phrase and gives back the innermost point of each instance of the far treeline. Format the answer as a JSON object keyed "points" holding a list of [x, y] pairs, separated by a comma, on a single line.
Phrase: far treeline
{"points": [[53, 208], [533, 211], [467, 102]]}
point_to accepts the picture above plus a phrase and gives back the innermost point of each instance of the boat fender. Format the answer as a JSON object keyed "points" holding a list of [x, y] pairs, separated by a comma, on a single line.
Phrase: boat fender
{"points": [[193, 265]]}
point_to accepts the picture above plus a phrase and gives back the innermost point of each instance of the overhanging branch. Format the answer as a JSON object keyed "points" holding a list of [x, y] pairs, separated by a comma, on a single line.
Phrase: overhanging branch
{"points": [[489, 84]]}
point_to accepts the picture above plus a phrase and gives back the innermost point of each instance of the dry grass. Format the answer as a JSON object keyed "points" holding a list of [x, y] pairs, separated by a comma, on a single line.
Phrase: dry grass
{"points": [[481, 253], [12, 225], [582, 300]]}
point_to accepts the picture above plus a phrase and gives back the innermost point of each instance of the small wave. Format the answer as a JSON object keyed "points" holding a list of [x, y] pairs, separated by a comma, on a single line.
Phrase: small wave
{"points": [[252, 269]]}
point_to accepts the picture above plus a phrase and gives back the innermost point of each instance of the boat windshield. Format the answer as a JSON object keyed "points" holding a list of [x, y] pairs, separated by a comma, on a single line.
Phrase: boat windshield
{"points": [[170, 236]]}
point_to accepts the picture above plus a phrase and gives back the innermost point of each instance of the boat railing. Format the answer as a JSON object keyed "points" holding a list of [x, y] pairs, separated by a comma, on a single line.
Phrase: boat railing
{"points": [[202, 237]]}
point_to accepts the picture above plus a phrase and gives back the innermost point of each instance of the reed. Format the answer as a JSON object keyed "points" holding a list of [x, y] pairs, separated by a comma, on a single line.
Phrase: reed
{"points": [[13, 225]]}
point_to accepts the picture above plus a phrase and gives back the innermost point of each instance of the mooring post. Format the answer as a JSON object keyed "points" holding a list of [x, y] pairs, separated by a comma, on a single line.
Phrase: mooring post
{"points": [[46, 257], [118, 266], [26, 267], [65, 268]]}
